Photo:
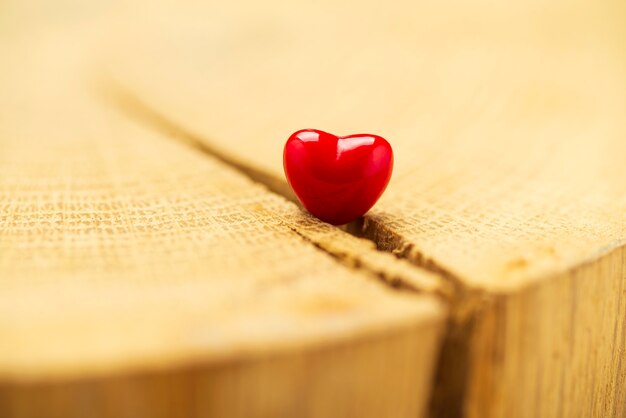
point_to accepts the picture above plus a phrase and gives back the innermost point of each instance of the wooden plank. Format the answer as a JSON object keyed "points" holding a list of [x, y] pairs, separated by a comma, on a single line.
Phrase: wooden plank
{"points": [[508, 126], [141, 278]]}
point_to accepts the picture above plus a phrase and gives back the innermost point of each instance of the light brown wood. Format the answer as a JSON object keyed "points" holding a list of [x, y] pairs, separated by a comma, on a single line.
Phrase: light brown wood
{"points": [[508, 125], [142, 278], [555, 349]]}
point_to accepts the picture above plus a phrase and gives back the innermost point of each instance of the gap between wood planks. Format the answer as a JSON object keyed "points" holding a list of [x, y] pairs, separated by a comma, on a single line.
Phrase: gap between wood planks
{"points": [[383, 239]]}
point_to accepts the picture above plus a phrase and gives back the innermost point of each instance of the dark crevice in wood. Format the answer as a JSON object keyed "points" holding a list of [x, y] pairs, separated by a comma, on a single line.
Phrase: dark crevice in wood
{"points": [[387, 240], [394, 282], [136, 108]]}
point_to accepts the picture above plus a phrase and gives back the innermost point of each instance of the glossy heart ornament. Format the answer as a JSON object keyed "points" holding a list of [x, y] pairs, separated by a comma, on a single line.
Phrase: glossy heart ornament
{"points": [[337, 178]]}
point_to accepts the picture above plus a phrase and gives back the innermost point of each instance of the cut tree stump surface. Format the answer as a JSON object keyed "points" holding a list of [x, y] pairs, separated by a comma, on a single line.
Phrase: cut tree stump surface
{"points": [[507, 123]]}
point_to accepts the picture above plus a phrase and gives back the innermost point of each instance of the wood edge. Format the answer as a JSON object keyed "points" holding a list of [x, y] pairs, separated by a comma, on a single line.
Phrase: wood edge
{"points": [[474, 377], [305, 376]]}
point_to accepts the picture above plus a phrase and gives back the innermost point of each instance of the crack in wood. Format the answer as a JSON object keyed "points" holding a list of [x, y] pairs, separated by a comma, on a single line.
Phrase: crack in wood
{"points": [[136, 108]]}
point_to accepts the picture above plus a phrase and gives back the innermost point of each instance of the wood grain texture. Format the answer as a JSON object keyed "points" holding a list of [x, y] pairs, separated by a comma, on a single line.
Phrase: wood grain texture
{"points": [[508, 125], [567, 338], [141, 278]]}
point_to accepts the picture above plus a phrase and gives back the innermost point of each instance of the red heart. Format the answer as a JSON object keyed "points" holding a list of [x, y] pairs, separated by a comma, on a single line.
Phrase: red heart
{"points": [[337, 178]]}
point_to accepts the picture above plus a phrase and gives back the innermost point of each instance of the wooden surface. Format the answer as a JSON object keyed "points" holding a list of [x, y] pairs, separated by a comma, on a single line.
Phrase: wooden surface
{"points": [[142, 278], [508, 125]]}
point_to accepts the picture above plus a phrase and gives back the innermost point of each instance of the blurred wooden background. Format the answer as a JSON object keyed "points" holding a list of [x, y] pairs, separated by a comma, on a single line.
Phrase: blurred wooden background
{"points": [[152, 261]]}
